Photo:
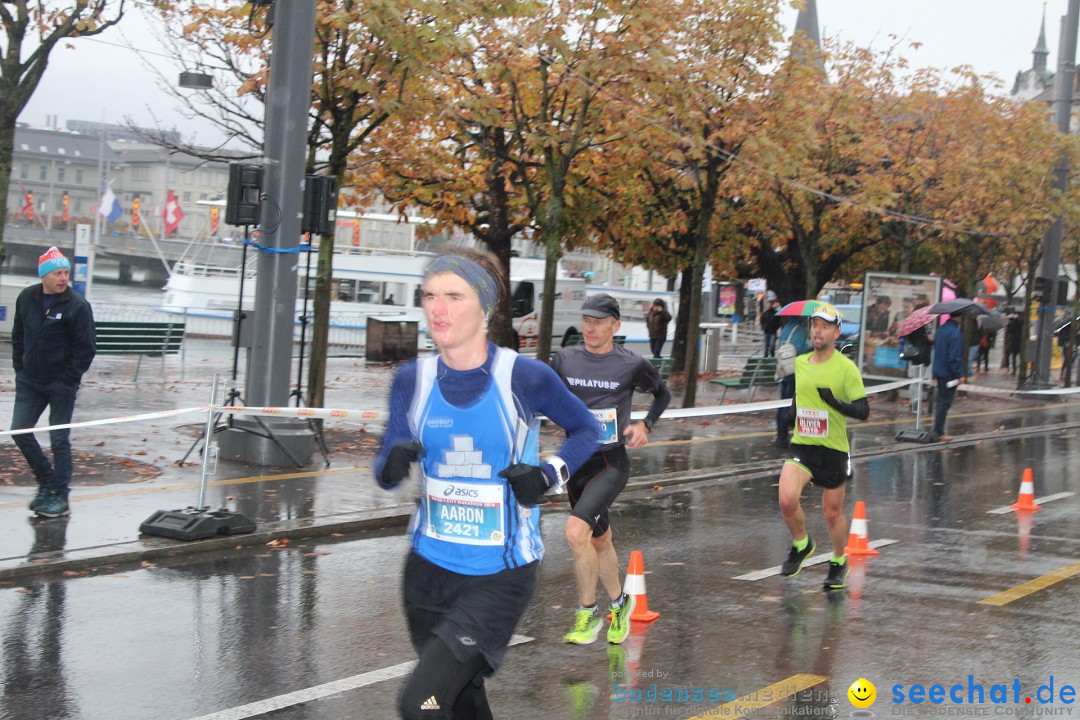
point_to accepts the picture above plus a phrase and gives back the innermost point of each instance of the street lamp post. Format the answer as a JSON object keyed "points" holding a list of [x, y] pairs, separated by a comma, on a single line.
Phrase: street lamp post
{"points": [[1051, 259]]}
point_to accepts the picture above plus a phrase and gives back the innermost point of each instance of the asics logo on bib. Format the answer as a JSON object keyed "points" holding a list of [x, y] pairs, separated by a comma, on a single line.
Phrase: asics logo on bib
{"points": [[454, 491]]}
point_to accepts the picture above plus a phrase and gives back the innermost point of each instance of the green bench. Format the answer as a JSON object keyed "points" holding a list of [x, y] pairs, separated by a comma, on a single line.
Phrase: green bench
{"points": [[142, 339], [758, 372], [663, 366]]}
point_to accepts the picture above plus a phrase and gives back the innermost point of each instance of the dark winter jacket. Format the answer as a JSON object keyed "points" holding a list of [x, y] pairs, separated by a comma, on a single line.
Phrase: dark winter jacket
{"points": [[56, 345], [657, 321]]}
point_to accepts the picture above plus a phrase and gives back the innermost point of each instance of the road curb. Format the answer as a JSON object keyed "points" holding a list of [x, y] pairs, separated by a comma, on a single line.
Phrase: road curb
{"points": [[109, 557]]}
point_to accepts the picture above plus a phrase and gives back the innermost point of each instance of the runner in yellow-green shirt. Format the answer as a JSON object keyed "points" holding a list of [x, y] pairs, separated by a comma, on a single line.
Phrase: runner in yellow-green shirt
{"points": [[828, 390]]}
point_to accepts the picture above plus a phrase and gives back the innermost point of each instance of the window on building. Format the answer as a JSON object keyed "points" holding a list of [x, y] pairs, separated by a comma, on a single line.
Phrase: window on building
{"points": [[78, 176], [61, 173], [43, 172], [24, 172], [62, 151], [187, 197], [140, 173]]}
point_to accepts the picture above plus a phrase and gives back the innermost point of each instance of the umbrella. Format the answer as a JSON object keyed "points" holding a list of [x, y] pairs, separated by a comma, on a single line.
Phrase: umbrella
{"points": [[917, 319], [991, 322], [956, 305], [806, 308]]}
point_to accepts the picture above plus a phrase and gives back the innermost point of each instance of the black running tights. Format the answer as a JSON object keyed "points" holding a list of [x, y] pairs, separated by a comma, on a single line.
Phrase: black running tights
{"points": [[442, 687]]}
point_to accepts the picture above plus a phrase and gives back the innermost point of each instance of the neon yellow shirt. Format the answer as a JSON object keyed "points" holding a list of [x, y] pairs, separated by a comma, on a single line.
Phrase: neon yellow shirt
{"points": [[816, 423]]}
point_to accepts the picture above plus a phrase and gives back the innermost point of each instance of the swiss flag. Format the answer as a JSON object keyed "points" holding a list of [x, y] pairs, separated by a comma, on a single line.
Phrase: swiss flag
{"points": [[173, 213]]}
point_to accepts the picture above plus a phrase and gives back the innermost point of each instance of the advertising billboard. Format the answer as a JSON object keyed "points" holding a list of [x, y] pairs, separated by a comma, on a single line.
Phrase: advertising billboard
{"points": [[887, 299]]}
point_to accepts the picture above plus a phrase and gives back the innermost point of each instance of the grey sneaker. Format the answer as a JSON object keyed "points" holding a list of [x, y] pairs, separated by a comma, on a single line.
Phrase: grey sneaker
{"points": [[42, 494], [53, 506]]}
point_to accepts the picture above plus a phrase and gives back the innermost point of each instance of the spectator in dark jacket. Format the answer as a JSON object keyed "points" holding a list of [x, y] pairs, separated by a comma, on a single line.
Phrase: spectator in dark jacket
{"points": [[1011, 352], [52, 345], [770, 325], [656, 320], [948, 369]]}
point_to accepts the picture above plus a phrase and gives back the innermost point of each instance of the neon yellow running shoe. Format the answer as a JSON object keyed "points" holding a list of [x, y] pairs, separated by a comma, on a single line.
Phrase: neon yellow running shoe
{"points": [[587, 623], [620, 620]]}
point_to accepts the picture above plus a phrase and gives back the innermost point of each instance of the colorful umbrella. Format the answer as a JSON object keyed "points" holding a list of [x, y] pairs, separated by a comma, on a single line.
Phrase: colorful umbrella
{"points": [[806, 308], [917, 319]]}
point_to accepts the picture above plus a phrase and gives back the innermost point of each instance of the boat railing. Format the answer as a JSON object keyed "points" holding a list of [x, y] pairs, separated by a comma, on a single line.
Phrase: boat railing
{"points": [[195, 269]]}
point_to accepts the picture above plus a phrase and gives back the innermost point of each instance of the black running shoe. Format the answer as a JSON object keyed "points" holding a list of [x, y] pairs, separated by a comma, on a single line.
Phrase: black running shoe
{"points": [[795, 559], [837, 576]]}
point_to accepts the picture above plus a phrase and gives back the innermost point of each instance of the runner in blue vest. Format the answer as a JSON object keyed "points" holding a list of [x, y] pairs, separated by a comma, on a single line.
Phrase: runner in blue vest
{"points": [[470, 418]]}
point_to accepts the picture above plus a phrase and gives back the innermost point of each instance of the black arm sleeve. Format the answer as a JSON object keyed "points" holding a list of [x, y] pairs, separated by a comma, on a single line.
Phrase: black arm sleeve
{"points": [[859, 409]]}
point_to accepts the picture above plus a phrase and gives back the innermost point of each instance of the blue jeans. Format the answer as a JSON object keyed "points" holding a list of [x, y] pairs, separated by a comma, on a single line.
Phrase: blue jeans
{"points": [[770, 344], [657, 346], [30, 401], [945, 397]]}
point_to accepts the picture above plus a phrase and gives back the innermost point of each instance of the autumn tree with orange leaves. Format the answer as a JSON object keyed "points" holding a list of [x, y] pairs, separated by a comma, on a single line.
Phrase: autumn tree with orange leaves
{"points": [[370, 58], [32, 30]]}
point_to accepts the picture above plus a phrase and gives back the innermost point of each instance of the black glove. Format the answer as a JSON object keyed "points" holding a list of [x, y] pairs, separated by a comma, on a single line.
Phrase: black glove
{"points": [[789, 419], [396, 468], [859, 410], [528, 482]]}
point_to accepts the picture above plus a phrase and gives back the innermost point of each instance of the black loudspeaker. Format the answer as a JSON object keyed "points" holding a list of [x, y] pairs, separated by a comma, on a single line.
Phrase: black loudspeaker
{"points": [[320, 205], [242, 201]]}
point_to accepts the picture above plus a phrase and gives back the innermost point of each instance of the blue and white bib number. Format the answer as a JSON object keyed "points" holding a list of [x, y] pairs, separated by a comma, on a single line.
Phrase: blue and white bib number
{"points": [[465, 512], [609, 425]]}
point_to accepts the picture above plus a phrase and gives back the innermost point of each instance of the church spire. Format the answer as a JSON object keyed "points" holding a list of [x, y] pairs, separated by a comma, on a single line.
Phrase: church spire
{"points": [[1041, 52], [808, 24]]}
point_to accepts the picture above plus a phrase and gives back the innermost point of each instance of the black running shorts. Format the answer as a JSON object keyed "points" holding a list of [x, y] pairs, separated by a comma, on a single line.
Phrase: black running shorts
{"points": [[470, 613], [828, 468], [596, 484]]}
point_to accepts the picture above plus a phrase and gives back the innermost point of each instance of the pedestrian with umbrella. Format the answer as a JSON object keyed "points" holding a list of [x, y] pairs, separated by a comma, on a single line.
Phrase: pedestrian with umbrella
{"points": [[948, 367]]}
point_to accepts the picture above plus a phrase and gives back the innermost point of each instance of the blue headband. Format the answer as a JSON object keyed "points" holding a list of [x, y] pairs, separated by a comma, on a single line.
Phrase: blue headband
{"points": [[471, 272]]}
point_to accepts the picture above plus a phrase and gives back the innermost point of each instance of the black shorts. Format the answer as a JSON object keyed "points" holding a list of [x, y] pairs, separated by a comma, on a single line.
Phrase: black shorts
{"points": [[828, 468], [470, 613], [595, 486]]}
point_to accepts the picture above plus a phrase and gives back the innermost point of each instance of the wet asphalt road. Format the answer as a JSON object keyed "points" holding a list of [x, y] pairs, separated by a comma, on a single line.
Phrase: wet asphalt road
{"points": [[194, 638]]}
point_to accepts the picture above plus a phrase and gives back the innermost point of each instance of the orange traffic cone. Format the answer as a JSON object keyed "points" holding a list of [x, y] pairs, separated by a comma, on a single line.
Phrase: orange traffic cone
{"points": [[1026, 499], [635, 586], [859, 537]]}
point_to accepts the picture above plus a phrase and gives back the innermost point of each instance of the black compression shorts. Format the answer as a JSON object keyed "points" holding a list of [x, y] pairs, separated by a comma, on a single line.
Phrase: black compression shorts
{"points": [[596, 484]]}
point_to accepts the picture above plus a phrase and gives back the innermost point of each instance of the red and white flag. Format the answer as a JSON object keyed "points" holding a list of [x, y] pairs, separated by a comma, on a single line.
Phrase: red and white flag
{"points": [[27, 210], [173, 213]]}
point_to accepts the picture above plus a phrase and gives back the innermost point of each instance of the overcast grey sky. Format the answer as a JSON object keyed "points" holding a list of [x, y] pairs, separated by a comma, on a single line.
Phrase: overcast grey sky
{"points": [[91, 79]]}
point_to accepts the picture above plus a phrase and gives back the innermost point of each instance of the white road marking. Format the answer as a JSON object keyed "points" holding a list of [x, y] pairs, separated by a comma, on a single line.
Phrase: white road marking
{"points": [[262, 707], [1038, 501], [817, 560]]}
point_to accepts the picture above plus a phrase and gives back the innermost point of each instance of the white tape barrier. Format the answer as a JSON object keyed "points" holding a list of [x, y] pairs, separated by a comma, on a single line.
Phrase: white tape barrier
{"points": [[109, 421], [381, 416]]}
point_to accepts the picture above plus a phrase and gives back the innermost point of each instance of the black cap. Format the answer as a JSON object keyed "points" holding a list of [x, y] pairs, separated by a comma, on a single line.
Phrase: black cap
{"points": [[601, 306]]}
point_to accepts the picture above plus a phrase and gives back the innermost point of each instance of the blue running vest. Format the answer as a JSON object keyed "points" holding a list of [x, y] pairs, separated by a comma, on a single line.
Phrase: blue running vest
{"points": [[469, 520]]}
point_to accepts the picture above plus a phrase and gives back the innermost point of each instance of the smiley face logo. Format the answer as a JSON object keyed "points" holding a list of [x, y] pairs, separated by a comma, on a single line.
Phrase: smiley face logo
{"points": [[862, 693]]}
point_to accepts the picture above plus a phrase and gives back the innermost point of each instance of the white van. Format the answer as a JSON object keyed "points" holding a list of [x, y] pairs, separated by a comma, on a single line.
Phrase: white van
{"points": [[526, 296]]}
